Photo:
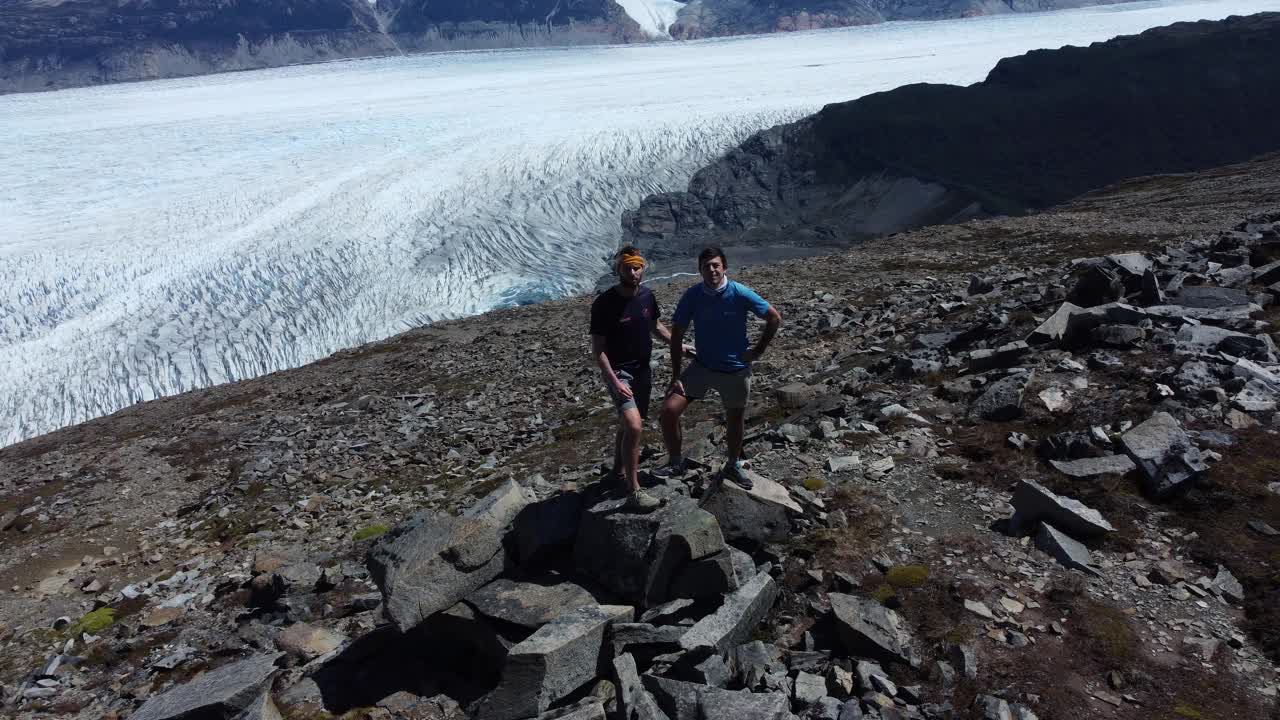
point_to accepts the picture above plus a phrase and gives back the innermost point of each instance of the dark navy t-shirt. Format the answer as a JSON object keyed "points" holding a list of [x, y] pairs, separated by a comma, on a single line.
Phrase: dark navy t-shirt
{"points": [[625, 323]]}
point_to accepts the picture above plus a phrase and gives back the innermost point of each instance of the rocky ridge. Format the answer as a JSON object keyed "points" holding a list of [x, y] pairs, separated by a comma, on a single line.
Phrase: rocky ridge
{"points": [[1023, 469], [1042, 128]]}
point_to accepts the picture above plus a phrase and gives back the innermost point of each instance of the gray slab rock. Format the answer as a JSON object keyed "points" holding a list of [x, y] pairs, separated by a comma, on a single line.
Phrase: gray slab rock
{"points": [[1002, 400], [690, 701], [1135, 264], [1054, 328], [680, 700], [220, 693], [759, 515], [1065, 549], [1033, 502], [1002, 357], [1163, 453], [530, 603], [809, 689], [1086, 468], [869, 629], [734, 621], [626, 636], [634, 701], [432, 561], [1210, 297], [992, 708], [309, 642], [560, 657], [589, 708]]}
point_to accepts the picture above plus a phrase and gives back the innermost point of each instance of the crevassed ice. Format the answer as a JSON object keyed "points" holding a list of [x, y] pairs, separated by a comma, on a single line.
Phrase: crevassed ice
{"points": [[160, 237], [655, 17]]}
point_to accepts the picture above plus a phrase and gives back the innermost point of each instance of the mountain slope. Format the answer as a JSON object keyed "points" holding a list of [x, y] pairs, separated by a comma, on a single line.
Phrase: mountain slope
{"points": [[1042, 128]]}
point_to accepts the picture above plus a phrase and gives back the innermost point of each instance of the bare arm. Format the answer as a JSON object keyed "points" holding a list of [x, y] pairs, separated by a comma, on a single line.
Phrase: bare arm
{"points": [[676, 344], [772, 322], [661, 331], [606, 368]]}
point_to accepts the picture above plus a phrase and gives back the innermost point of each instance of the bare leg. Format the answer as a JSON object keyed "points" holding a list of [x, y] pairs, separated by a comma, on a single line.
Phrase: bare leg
{"points": [[617, 448], [672, 408], [630, 448], [735, 423]]}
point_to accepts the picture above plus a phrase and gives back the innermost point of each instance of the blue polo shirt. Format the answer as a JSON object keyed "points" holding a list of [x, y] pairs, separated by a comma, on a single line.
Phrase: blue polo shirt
{"points": [[719, 319]]}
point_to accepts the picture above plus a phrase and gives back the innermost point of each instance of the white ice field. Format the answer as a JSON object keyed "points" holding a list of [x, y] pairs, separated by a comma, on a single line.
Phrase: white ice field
{"points": [[163, 236]]}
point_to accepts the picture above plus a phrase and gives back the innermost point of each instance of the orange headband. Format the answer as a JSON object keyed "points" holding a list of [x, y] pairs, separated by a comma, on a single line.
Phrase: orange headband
{"points": [[631, 261]]}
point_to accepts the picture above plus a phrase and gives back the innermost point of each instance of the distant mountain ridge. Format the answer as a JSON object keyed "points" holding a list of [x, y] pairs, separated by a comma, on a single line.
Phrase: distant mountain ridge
{"points": [[51, 44], [1043, 128]]}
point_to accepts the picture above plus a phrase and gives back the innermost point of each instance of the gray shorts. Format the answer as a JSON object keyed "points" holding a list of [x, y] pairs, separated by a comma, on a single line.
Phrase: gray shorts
{"points": [[641, 384], [734, 388]]}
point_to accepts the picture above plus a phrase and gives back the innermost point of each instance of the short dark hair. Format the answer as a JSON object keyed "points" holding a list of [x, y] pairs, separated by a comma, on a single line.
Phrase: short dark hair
{"points": [[712, 252]]}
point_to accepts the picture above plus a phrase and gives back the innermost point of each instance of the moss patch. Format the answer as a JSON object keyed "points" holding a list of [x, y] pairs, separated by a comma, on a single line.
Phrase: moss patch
{"points": [[814, 484], [907, 576], [1187, 711], [368, 533], [94, 622]]}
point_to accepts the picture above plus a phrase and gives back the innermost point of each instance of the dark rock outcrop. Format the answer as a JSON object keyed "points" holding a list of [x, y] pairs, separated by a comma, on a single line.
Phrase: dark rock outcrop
{"points": [[1042, 128]]}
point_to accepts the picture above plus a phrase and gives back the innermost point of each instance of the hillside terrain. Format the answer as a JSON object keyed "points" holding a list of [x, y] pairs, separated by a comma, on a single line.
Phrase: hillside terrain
{"points": [[1041, 129], [292, 545], [46, 45]]}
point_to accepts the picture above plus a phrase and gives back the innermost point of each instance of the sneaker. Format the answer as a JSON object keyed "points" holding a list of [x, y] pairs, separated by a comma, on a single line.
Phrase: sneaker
{"points": [[734, 472], [672, 469], [642, 502]]}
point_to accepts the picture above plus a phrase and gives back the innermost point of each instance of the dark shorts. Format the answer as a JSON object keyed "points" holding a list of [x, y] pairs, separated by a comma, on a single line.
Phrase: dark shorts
{"points": [[641, 383]]}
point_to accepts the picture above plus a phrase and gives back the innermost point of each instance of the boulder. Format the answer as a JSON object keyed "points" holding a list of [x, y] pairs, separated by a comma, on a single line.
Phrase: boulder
{"points": [[1066, 550], [1210, 298], [262, 708], [660, 638], [1004, 356], [1096, 285], [1032, 502], [432, 561], [220, 693], [809, 689], [560, 657], [1118, 336], [1085, 468], [1133, 264], [793, 395], [869, 629], [736, 619], [588, 708], [690, 701], [308, 642], [1163, 453], [634, 701], [708, 577], [1054, 329], [530, 603], [639, 556], [759, 515], [1002, 400], [1206, 339]]}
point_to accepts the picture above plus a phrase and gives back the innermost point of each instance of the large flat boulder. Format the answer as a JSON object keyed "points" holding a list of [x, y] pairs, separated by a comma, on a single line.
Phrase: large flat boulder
{"points": [[434, 560], [560, 657], [1085, 468], [735, 620], [759, 515], [691, 701], [1211, 297], [1164, 453], [641, 557], [530, 603], [869, 629], [1054, 328], [220, 693], [1033, 502]]}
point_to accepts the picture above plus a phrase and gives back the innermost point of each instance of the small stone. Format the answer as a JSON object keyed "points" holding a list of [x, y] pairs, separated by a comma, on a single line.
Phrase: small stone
{"points": [[1263, 529], [980, 609]]}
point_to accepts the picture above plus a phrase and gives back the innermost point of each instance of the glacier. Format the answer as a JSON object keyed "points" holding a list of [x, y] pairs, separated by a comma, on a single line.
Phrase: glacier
{"points": [[655, 17], [163, 236]]}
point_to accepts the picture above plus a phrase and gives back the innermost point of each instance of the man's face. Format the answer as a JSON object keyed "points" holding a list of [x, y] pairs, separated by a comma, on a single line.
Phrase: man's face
{"points": [[713, 272], [630, 276]]}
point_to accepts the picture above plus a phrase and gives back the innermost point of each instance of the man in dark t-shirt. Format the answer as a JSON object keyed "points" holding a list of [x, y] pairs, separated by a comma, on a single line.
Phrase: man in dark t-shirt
{"points": [[623, 320]]}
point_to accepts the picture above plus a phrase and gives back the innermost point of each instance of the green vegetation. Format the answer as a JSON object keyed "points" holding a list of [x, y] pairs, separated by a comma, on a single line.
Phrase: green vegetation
{"points": [[94, 622], [884, 594], [907, 576], [368, 533], [814, 484], [1187, 711]]}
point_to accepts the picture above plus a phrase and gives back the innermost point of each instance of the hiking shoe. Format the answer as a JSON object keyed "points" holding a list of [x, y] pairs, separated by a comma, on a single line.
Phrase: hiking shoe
{"points": [[734, 472], [641, 502], [672, 469]]}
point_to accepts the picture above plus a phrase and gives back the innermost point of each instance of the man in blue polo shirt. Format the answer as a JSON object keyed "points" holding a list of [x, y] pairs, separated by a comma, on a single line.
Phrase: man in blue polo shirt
{"points": [[717, 308]]}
